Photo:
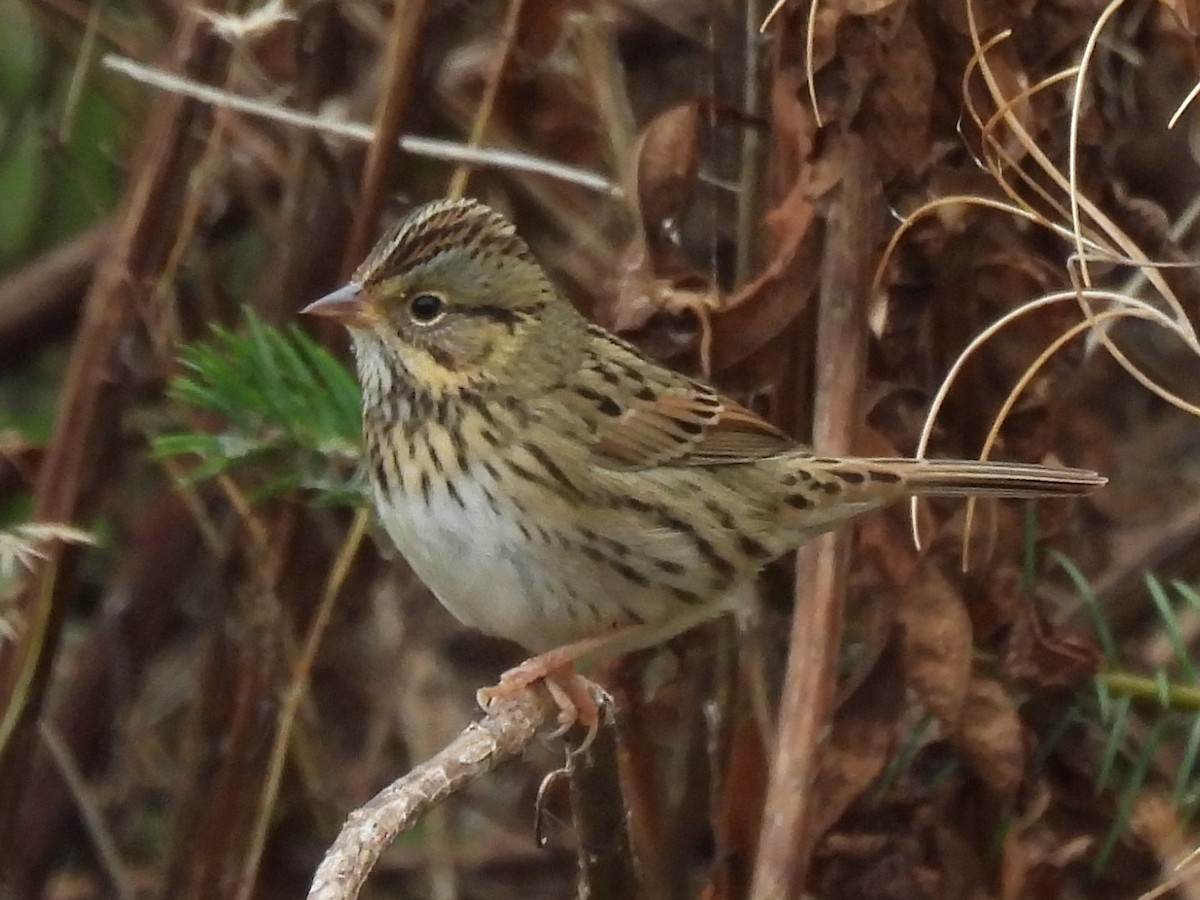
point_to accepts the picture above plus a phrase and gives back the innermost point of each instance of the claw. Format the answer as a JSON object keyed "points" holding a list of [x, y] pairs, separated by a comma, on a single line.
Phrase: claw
{"points": [[568, 709], [574, 695]]}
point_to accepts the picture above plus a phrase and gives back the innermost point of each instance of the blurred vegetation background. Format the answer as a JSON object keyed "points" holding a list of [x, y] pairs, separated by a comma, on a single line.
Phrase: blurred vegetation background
{"points": [[744, 198]]}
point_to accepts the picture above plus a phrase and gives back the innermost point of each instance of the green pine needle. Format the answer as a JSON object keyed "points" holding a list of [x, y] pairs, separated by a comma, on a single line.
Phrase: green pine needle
{"points": [[1133, 715], [290, 413]]}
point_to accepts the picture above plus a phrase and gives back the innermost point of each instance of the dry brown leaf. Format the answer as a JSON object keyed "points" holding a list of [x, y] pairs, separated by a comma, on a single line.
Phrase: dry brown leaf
{"points": [[762, 308], [1011, 81], [938, 634], [897, 123], [652, 274], [962, 870], [824, 35], [665, 165], [937, 642], [1035, 855], [539, 30], [1187, 14], [1038, 658], [860, 742], [882, 866], [989, 736]]}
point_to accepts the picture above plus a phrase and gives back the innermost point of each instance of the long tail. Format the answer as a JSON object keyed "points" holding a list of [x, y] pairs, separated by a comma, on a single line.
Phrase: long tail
{"points": [[953, 477], [959, 478], [823, 492]]}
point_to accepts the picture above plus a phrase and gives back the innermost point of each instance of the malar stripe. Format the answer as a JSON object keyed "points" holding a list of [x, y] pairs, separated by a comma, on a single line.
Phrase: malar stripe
{"points": [[442, 358]]}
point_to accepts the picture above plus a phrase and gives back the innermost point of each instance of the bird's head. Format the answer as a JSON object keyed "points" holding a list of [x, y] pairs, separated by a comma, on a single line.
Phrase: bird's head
{"points": [[452, 299]]}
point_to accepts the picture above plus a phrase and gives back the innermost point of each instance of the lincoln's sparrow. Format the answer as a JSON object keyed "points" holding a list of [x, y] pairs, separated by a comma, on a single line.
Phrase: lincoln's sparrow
{"points": [[554, 486]]}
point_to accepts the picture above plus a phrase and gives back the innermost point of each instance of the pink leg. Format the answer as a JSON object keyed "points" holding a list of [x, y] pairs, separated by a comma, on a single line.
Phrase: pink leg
{"points": [[572, 693]]}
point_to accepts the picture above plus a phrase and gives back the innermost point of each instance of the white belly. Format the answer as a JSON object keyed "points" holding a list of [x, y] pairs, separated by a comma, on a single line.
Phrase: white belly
{"points": [[540, 587], [478, 564]]}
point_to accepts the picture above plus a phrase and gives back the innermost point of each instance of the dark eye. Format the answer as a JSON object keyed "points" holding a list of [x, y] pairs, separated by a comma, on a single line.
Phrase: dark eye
{"points": [[426, 308]]}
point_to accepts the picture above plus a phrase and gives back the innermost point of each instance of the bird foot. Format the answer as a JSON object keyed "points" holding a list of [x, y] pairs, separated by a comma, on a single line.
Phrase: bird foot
{"points": [[578, 700]]}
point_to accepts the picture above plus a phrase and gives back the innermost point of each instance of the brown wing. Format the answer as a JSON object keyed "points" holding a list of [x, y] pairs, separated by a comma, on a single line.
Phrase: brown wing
{"points": [[641, 414]]}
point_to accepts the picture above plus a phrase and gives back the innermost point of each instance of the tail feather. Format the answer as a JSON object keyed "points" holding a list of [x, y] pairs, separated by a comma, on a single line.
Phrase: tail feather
{"points": [[965, 478]]}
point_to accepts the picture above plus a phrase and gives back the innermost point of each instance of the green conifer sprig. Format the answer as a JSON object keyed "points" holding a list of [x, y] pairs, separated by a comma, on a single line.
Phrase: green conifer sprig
{"points": [[288, 411]]}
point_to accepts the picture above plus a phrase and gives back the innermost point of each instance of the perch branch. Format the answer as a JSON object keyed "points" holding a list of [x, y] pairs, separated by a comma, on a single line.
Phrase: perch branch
{"points": [[508, 728]]}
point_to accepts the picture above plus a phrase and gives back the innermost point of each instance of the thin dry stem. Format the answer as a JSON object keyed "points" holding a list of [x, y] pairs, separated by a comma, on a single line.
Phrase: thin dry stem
{"points": [[125, 38], [491, 90], [1132, 308], [1183, 105], [1073, 193], [90, 408], [810, 38], [1079, 202], [294, 696], [399, 63], [751, 155], [90, 812], [79, 74], [595, 44], [786, 841], [1085, 246], [1184, 872], [969, 199], [49, 288], [1130, 248], [448, 151], [1010, 401], [185, 490], [775, 10]]}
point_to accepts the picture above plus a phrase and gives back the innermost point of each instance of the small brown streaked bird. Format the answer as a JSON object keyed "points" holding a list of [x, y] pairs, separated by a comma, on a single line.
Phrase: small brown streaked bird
{"points": [[554, 486]]}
